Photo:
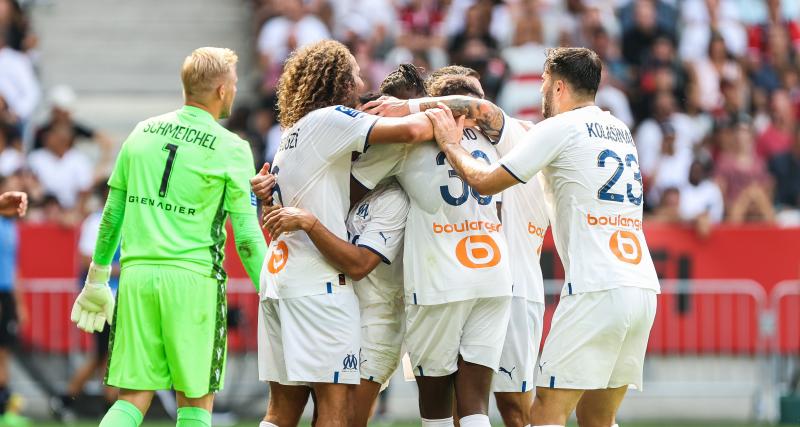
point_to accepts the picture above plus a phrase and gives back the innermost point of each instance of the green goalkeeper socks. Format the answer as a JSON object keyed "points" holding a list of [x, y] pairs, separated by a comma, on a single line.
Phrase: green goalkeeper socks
{"points": [[189, 416], [122, 414]]}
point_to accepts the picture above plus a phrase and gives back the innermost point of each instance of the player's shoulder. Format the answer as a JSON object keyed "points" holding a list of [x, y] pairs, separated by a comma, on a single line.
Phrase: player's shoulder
{"points": [[390, 197], [333, 113]]}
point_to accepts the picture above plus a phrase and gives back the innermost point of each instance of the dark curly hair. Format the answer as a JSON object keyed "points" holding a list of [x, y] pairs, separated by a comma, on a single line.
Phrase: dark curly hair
{"points": [[316, 76], [405, 83]]}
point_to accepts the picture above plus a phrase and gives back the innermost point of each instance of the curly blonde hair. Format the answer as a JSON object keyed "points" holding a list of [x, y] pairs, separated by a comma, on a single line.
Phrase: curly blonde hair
{"points": [[316, 76]]}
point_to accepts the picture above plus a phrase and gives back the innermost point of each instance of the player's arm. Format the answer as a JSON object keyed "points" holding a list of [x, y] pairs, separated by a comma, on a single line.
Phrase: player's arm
{"points": [[354, 261], [485, 179], [410, 129], [480, 112], [95, 304], [250, 244]]}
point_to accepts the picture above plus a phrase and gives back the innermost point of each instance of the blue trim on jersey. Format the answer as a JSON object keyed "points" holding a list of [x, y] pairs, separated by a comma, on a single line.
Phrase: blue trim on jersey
{"points": [[336, 377], [511, 173], [552, 382], [569, 287], [371, 378], [376, 252], [366, 138], [524, 386], [415, 298], [329, 287], [422, 374]]}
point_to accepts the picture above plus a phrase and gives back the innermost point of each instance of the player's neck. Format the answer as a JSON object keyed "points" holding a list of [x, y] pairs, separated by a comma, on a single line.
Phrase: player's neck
{"points": [[575, 105], [214, 113]]}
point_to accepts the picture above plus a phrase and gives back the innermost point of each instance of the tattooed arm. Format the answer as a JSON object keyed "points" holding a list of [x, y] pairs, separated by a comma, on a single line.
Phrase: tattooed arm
{"points": [[487, 116]]}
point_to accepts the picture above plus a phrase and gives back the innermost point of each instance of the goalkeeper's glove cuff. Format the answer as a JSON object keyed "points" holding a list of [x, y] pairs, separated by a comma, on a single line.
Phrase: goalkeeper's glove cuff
{"points": [[98, 274]]}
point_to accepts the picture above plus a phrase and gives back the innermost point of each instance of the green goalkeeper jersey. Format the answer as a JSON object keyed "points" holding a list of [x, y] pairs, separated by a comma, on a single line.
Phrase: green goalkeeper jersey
{"points": [[183, 173]]}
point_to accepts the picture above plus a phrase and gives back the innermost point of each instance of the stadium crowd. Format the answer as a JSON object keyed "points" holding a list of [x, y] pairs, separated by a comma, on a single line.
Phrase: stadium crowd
{"points": [[711, 88]]}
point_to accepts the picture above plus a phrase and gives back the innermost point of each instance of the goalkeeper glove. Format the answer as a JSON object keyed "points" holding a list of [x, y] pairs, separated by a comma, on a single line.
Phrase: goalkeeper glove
{"points": [[95, 304]]}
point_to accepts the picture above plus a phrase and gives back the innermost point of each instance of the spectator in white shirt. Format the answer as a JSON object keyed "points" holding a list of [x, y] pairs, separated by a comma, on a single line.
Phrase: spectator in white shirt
{"points": [[18, 84], [62, 170], [282, 34], [701, 196]]}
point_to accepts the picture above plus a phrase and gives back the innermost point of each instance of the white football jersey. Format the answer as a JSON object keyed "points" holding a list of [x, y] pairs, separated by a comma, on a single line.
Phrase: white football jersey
{"points": [[525, 217], [454, 246], [312, 169], [378, 223], [590, 165]]}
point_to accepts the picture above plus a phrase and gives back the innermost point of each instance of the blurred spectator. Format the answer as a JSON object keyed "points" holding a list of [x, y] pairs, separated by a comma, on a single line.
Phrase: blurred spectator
{"points": [[661, 71], [709, 70], [280, 35], [476, 48], [614, 100], [420, 33], [671, 169], [669, 208], [743, 179], [11, 157], [785, 168], [16, 25], [646, 29], [779, 57], [63, 171], [702, 19], [617, 71], [777, 138], [13, 312], [521, 95], [701, 198], [18, 84], [62, 103], [649, 135]]}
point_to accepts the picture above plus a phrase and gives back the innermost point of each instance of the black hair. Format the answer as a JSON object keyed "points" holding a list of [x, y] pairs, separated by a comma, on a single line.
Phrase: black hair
{"points": [[454, 85], [579, 66], [435, 77], [404, 82], [367, 97]]}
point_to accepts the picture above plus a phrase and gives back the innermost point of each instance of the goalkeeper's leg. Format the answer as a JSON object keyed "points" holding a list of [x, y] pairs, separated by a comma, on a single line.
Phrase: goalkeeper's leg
{"points": [[194, 412], [129, 410]]}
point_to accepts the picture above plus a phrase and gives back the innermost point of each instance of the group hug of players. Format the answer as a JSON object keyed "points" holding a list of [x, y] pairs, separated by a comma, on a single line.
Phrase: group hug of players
{"points": [[411, 223]]}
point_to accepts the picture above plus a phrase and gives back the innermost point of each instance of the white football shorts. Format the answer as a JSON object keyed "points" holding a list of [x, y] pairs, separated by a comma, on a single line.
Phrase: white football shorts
{"points": [[521, 347], [382, 327]]}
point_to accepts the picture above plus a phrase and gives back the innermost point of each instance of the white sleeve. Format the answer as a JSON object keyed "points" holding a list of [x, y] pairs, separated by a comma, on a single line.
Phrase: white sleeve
{"points": [[342, 130], [88, 237], [540, 146], [513, 132], [377, 163], [383, 234]]}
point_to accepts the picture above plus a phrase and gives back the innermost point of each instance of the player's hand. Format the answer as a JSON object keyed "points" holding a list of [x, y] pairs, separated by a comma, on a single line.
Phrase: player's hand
{"points": [[262, 184], [387, 106], [95, 304], [285, 220], [13, 204], [446, 129]]}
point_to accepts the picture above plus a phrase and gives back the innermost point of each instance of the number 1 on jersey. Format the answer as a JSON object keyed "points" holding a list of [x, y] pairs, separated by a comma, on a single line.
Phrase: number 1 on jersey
{"points": [[173, 150]]}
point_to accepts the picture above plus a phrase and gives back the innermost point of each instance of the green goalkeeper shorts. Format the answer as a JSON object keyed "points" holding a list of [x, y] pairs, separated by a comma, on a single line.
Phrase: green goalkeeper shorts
{"points": [[169, 331]]}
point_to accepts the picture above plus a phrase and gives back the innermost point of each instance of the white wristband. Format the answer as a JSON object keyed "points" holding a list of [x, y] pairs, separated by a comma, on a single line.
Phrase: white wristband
{"points": [[413, 106], [98, 274]]}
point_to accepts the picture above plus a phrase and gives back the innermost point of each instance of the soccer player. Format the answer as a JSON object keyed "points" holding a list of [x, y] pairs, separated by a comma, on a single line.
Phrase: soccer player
{"points": [[455, 259], [178, 177], [375, 232], [598, 338]]}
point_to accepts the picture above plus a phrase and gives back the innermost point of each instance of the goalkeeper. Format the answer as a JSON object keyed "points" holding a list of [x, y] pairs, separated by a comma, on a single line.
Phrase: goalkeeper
{"points": [[177, 178]]}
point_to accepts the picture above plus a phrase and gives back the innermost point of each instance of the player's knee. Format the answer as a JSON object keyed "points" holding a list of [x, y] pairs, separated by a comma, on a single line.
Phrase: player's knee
{"points": [[512, 410]]}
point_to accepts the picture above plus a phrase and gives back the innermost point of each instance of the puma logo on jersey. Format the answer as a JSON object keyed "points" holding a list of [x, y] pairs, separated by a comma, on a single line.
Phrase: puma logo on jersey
{"points": [[541, 365], [507, 372], [385, 238]]}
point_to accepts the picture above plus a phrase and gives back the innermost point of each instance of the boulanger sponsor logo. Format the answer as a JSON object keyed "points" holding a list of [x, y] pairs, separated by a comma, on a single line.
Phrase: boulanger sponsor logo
{"points": [[478, 251], [278, 258], [536, 230], [614, 221], [625, 246], [466, 226]]}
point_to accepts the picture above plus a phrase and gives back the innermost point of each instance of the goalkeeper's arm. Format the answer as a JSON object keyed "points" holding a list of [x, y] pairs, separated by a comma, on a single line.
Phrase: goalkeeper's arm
{"points": [[250, 244], [95, 304]]}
